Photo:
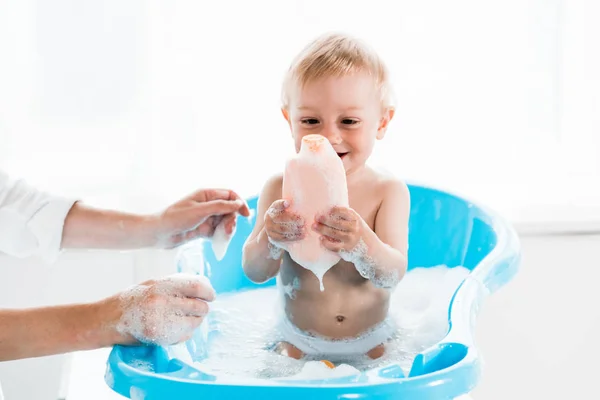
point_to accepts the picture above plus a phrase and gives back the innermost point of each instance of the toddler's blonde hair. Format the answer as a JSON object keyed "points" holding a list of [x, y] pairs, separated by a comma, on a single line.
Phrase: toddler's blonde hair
{"points": [[336, 54]]}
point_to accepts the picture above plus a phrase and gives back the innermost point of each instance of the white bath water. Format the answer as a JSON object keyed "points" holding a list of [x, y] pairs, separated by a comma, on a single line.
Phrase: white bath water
{"points": [[246, 327]]}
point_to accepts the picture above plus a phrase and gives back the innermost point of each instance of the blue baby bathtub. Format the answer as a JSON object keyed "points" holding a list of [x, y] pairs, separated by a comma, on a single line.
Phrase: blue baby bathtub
{"points": [[444, 229]]}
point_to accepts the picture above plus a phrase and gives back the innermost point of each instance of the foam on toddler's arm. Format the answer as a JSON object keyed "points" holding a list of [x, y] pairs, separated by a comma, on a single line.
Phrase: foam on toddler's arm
{"points": [[382, 256]]}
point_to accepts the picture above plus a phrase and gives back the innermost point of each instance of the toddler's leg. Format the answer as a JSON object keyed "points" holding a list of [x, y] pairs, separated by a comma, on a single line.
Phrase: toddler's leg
{"points": [[289, 350], [376, 352]]}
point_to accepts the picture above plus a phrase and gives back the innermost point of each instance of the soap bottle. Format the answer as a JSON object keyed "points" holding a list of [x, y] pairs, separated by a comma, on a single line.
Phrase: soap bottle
{"points": [[314, 181]]}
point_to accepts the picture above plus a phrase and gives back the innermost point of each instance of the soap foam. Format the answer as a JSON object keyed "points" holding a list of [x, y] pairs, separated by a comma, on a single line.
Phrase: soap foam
{"points": [[275, 252], [291, 288], [156, 321], [247, 321], [276, 248], [319, 273], [136, 393], [293, 225], [319, 370], [367, 268], [220, 240]]}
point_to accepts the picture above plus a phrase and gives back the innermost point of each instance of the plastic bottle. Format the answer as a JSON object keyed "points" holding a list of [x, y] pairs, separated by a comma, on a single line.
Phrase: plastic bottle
{"points": [[314, 181]]}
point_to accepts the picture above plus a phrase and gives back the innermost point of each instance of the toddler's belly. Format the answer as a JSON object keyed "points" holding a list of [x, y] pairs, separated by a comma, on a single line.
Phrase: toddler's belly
{"points": [[341, 311]]}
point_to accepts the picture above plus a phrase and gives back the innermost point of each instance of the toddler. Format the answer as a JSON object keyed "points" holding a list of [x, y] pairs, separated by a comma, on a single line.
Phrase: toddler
{"points": [[338, 88]]}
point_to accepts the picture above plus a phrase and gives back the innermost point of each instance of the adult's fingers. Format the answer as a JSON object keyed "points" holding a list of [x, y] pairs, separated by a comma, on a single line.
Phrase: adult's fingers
{"points": [[194, 286], [194, 322], [209, 195], [190, 307], [229, 223], [244, 210], [203, 195], [221, 207]]}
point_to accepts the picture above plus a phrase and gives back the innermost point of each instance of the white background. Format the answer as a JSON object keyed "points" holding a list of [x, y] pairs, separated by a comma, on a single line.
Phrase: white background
{"points": [[134, 103]]}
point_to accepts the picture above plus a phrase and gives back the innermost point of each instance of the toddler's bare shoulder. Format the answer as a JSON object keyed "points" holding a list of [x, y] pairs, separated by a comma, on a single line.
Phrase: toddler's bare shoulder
{"points": [[273, 184], [387, 184]]}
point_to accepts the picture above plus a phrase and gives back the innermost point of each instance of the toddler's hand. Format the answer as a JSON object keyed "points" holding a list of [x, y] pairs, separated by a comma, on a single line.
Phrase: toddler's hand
{"points": [[341, 229], [282, 225]]}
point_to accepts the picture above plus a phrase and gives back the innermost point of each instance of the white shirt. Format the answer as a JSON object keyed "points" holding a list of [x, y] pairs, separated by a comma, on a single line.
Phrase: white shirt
{"points": [[31, 221]]}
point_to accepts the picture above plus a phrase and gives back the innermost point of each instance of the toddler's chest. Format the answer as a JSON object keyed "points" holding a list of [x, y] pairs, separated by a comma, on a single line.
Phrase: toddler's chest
{"points": [[365, 202]]}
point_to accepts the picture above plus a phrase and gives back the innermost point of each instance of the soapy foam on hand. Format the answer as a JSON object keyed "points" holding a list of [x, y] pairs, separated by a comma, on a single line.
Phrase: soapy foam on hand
{"points": [[156, 322], [277, 248], [293, 226]]}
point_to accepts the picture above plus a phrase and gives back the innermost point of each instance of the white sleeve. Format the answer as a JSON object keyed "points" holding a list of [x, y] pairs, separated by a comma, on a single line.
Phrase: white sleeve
{"points": [[31, 221]]}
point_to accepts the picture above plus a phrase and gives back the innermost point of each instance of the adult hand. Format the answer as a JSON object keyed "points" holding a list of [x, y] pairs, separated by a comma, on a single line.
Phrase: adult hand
{"points": [[164, 311], [197, 215], [194, 216]]}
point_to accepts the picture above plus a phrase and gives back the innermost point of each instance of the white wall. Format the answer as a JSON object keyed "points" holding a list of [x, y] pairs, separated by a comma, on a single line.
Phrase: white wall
{"points": [[536, 335], [144, 92]]}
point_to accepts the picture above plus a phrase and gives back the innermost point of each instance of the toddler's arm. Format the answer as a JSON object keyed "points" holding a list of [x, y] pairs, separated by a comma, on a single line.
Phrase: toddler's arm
{"points": [[259, 259], [385, 260]]}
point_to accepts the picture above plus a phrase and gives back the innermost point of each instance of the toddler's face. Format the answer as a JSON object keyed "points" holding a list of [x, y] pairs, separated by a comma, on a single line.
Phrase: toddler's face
{"points": [[346, 110]]}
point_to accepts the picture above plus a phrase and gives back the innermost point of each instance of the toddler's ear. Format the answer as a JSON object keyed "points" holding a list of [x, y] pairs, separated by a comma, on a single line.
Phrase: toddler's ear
{"points": [[286, 115], [388, 114]]}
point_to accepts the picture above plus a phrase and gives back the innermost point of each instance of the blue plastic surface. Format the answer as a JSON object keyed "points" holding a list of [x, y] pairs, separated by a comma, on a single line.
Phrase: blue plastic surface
{"points": [[444, 229]]}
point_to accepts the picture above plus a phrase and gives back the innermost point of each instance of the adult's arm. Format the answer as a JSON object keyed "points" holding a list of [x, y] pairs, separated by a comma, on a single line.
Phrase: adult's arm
{"points": [[196, 215], [164, 311], [45, 331], [34, 222]]}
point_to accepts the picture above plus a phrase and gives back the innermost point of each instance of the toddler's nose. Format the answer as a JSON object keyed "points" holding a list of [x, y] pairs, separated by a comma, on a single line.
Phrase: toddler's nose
{"points": [[333, 135]]}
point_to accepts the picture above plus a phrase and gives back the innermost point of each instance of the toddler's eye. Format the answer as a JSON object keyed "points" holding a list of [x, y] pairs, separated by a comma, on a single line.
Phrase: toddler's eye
{"points": [[348, 121], [310, 121]]}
